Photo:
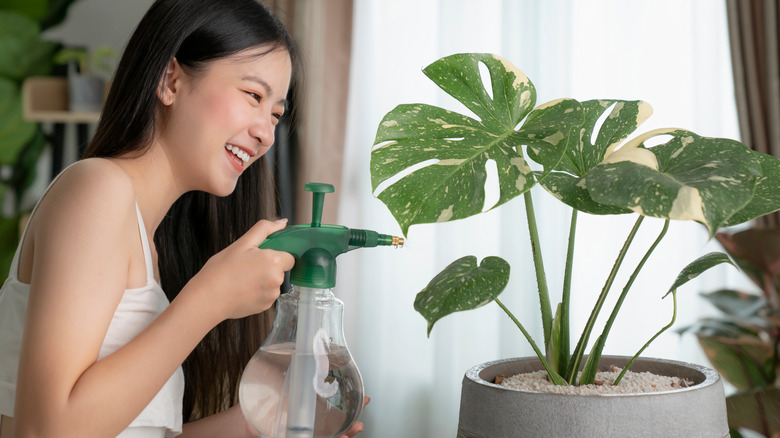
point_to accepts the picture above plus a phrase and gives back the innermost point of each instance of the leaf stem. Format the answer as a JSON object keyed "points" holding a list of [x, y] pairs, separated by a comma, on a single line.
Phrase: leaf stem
{"points": [[541, 278], [579, 350], [555, 377], [563, 352], [631, 280], [666, 327], [595, 354]]}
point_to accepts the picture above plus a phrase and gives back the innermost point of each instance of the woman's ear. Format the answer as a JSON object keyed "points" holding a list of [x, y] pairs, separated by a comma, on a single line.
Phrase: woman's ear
{"points": [[169, 83]]}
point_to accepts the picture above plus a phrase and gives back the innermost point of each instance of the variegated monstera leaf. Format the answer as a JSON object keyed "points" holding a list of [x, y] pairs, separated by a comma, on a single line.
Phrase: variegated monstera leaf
{"points": [[565, 182], [438, 157], [708, 180]]}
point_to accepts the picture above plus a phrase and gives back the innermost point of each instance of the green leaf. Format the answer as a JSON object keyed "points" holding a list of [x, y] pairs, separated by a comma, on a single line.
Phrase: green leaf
{"points": [[556, 357], [766, 198], [14, 131], [739, 360], [735, 303], [35, 10], [462, 286], [25, 168], [724, 327], [56, 14], [22, 52], [588, 375], [17, 25], [755, 409], [698, 266], [513, 94], [688, 178], [47, 13], [433, 160], [757, 252], [9, 240], [566, 181]]}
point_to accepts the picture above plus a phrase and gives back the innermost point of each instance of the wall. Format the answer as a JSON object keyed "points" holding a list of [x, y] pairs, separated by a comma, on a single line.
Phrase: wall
{"points": [[93, 23]]}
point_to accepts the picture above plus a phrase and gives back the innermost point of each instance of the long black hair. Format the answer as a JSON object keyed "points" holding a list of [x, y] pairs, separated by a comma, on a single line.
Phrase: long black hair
{"points": [[198, 225]]}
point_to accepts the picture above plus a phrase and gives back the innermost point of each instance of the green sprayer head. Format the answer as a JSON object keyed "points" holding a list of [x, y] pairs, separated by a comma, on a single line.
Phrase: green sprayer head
{"points": [[316, 246]]}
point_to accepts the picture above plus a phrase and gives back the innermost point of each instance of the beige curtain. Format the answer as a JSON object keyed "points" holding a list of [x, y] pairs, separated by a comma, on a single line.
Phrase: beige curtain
{"points": [[323, 29], [753, 33]]}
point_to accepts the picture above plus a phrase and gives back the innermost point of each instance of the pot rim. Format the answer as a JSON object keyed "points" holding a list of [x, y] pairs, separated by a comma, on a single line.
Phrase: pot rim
{"points": [[711, 377]]}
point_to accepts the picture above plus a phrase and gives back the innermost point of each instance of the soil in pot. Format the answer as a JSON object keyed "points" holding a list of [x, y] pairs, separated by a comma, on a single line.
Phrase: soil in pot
{"points": [[631, 383]]}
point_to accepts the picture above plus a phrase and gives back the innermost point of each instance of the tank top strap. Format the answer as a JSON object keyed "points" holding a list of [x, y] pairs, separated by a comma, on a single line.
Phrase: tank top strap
{"points": [[14, 270], [146, 246]]}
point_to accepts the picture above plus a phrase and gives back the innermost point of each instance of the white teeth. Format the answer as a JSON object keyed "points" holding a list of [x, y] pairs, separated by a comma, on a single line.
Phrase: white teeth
{"points": [[243, 156]]}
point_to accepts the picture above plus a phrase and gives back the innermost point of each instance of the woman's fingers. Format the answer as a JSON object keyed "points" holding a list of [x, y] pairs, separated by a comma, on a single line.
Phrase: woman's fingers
{"points": [[262, 229], [356, 428], [243, 279]]}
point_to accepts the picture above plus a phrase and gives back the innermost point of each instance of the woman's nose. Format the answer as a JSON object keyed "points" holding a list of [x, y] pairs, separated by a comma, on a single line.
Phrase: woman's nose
{"points": [[263, 130]]}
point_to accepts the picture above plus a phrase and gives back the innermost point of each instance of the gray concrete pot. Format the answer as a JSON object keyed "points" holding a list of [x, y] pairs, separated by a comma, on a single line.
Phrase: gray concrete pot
{"points": [[492, 411]]}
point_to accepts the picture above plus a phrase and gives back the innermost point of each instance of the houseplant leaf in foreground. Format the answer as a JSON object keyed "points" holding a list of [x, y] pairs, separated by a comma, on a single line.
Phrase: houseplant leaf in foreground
{"points": [[698, 266], [462, 286], [445, 154], [688, 178], [584, 153], [688, 273], [766, 199]]}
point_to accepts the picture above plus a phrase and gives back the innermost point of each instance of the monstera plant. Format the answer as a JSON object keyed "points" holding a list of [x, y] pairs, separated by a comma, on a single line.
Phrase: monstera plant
{"points": [[432, 162]]}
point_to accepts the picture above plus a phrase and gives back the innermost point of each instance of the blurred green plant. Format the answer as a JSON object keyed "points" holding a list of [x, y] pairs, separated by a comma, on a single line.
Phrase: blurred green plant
{"points": [[98, 62], [23, 53], [742, 342]]}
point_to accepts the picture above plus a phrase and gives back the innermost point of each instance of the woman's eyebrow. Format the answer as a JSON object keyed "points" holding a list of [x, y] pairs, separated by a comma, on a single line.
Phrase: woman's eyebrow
{"points": [[267, 87]]}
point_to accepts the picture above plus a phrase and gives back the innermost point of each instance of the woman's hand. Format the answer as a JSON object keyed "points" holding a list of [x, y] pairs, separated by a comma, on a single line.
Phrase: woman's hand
{"points": [[232, 423], [242, 279], [357, 427], [229, 423]]}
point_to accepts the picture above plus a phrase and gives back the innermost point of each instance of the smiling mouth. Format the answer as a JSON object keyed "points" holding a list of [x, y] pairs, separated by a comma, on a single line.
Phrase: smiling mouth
{"points": [[241, 155]]}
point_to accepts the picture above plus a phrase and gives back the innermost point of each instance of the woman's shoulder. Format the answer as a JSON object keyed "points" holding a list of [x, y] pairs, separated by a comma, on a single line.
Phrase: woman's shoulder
{"points": [[103, 168], [95, 176], [88, 187]]}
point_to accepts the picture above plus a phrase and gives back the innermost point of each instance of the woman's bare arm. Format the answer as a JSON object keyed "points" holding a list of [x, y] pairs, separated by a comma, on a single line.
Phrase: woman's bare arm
{"points": [[81, 261]]}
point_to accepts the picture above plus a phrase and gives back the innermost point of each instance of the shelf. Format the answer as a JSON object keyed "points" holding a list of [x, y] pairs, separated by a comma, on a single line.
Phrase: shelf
{"points": [[45, 99]]}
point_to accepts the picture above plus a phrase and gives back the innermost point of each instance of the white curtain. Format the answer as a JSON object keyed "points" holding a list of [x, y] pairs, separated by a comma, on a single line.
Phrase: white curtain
{"points": [[671, 53]]}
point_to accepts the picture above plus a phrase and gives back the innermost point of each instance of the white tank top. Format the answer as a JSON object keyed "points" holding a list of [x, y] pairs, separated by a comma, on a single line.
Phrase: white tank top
{"points": [[162, 417]]}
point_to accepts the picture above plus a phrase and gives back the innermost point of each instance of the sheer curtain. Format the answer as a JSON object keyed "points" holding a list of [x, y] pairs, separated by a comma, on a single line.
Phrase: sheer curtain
{"points": [[671, 53]]}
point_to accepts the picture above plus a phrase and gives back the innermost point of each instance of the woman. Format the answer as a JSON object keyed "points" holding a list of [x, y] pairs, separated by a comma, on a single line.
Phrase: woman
{"points": [[193, 105]]}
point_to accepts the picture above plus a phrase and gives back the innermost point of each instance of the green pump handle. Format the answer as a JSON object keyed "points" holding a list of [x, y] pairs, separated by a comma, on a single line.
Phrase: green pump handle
{"points": [[316, 246]]}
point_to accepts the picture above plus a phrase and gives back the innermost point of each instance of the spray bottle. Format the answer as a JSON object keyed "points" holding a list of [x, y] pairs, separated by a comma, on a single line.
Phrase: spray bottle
{"points": [[303, 382]]}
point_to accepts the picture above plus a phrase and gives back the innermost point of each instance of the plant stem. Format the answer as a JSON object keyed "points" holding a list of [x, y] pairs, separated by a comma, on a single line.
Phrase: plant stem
{"points": [[666, 327], [541, 278], [630, 282], [595, 354], [579, 350], [566, 296], [555, 377]]}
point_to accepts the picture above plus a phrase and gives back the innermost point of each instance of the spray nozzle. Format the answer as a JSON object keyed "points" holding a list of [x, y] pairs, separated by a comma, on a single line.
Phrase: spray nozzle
{"points": [[316, 246]]}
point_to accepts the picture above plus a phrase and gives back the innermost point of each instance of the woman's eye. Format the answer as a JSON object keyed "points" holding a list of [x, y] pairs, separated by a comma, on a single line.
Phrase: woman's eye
{"points": [[254, 96], [277, 116]]}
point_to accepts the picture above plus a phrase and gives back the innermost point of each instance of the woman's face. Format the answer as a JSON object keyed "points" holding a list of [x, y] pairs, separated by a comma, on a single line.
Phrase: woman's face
{"points": [[222, 120]]}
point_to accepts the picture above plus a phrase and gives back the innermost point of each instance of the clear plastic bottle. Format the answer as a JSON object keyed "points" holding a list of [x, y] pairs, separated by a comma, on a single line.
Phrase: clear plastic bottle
{"points": [[303, 382]]}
